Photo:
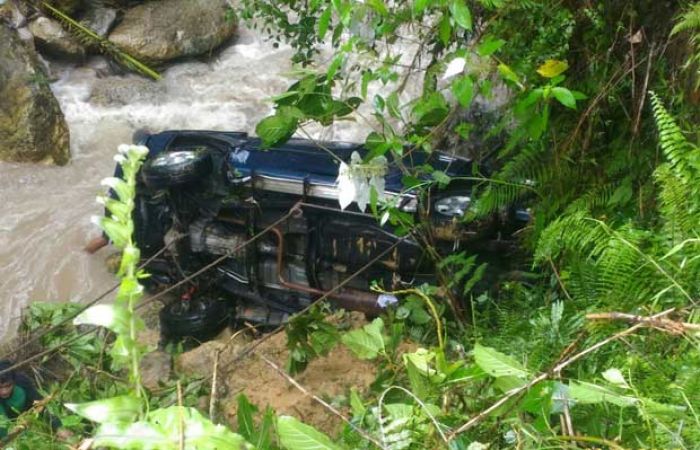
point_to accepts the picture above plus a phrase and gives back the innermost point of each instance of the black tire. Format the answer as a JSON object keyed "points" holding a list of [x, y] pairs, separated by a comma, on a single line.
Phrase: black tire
{"points": [[176, 167], [201, 319]]}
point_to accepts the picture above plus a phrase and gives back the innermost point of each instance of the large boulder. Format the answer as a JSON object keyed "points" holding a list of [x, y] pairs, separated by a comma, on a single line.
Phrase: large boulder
{"points": [[160, 31], [52, 39], [32, 126], [67, 6], [99, 18]]}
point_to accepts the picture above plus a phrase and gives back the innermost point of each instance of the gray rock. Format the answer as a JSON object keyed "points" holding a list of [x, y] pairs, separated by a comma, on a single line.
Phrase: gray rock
{"points": [[164, 30], [156, 368], [32, 126], [14, 13], [99, 18], [53, 40], [67, 6]]}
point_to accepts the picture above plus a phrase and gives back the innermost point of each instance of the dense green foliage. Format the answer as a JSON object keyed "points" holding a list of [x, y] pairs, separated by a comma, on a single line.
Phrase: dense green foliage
{"points": [[607, 171]]}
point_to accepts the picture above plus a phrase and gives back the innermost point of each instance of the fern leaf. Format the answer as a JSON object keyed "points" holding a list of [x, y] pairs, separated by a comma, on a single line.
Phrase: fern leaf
{"points": [[689, 20], [88, 37]]}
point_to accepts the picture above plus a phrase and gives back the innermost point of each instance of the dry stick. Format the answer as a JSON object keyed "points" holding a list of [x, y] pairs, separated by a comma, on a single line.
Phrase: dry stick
{"points": [[212, 399], [543, 376], [215, 370], [668, 325], [640, 108], [319, 400], [561, 283]]}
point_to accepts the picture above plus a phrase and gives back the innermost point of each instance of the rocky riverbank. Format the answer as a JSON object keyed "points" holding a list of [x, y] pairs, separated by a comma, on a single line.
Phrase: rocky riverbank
{"points": [[32, 126]]}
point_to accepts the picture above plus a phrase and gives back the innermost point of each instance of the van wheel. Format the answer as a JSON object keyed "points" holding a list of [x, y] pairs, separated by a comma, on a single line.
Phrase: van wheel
{"points": [[176, 168], [201, 319]]}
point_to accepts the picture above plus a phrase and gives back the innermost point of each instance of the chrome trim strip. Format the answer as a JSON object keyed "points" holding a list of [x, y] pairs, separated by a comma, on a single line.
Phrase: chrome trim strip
{"points": [[323, 191]]}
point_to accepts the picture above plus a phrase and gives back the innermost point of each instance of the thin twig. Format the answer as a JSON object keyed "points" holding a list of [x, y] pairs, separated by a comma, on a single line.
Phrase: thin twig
{"points": [[668, 325], [212, 398], [543, 376], [319, 400], [561, 283]]}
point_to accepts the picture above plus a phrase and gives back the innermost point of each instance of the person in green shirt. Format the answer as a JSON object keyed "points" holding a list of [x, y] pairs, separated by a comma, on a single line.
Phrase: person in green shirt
{"points": [[17, 395]]}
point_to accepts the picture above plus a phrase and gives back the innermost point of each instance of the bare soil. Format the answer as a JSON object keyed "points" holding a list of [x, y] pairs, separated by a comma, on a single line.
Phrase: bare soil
{"points": [[327, 377]]}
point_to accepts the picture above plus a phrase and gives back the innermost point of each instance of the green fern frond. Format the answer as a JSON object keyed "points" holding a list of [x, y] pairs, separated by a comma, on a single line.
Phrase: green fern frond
{"points": [[689, 20], [518, 178], [680, 216], [88, 37], [675, 146]]}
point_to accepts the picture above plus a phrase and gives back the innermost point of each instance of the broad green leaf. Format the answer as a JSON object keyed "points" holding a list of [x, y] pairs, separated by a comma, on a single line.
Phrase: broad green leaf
{"points": [[163, 429], [489, 46], [589, 393], [552, 67], [274, 130], [392, 104], [498, 364], [368, 342], [114, 317], [564, 96], [335, 65], [379, 6], [507, 73], [367, 77], [463, 89], [358, 408], [295, 435], [323, 23], [419, 6], [124, 408], [441, 178], [430, 110], [461, 14], [445, 30], [424, 361]]}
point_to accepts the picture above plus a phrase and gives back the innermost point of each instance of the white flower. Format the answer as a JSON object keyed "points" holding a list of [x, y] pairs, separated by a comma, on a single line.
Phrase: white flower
{"points": [[356, 180], [455, 67], [384, 300], [123, 149], [110, 182], [119, 158], [140, 151], [346, 186], [361, 192], [101, 199]]}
